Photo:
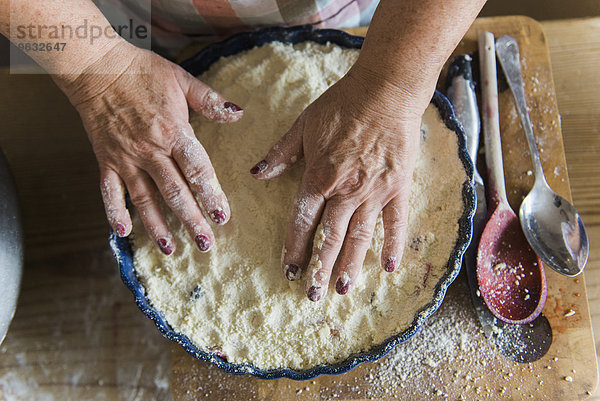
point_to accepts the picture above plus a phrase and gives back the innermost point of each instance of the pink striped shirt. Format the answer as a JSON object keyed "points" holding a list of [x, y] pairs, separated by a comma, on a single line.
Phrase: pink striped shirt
{"points": [[215, 17], [176, 22]]}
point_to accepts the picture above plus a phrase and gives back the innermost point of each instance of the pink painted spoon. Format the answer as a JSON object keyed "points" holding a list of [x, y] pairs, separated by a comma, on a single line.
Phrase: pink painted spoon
{"points": [[510, 275]]}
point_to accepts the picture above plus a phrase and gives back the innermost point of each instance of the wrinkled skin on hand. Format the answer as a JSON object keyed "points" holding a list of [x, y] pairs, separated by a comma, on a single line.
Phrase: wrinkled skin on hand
{"points": [[137, 122], [360, 145]]}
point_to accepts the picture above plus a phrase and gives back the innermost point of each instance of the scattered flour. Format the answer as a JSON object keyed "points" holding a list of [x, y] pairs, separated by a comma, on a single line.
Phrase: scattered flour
{"points": [[234, 301]]}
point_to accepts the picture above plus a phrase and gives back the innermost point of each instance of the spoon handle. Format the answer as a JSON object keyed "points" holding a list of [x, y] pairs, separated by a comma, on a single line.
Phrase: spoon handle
{"points": [[491, 118], [508, 55]]}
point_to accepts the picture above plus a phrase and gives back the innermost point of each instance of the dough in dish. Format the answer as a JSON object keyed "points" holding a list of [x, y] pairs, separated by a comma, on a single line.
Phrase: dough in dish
{"points": [[234, 301]]}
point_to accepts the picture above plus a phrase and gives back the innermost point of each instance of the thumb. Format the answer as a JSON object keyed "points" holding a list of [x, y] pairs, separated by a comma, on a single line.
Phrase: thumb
{"points": [[281, 156], [203, 99]]}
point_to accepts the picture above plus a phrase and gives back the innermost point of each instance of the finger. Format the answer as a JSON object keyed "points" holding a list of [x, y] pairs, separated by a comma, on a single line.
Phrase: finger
{"points": [[203, 99], [357, 242], [327, 243], [179, 198], [281, 156], [395, 220], [304, 218], [113, 196], [145, 198], [192, 159]]}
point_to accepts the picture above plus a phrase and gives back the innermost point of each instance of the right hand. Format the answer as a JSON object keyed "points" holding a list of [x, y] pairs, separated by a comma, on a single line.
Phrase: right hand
{"points": [[359, 140], [138, 123]]}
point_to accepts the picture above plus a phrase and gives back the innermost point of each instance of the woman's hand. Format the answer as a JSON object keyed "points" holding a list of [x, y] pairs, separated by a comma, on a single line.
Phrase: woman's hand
{"points": [[360, 139], [137, 121], [360, 142]]}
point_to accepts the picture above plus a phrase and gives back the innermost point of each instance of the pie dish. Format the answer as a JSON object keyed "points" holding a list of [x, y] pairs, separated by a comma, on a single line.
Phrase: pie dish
{"points": [[123, 251]]}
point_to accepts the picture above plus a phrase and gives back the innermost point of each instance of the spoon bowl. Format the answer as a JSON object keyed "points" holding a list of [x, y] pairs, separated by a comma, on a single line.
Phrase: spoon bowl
{"points": [[555, 230], [509, 273]]}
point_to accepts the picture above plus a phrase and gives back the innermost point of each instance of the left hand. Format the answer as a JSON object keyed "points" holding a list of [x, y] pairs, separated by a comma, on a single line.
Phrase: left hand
{"points": [[360, 142]]}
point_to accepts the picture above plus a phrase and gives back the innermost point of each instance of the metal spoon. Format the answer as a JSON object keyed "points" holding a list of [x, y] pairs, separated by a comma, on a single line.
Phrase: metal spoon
{"points": [[510, 275], [550, 223]]}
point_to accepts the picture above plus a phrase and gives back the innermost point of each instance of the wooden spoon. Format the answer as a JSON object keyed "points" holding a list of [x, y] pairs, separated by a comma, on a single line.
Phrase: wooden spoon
{"points": [[510, 275]]}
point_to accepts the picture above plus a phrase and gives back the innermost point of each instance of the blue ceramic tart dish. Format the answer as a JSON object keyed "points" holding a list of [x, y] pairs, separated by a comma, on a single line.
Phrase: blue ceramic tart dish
{"points": [[122, 250]]}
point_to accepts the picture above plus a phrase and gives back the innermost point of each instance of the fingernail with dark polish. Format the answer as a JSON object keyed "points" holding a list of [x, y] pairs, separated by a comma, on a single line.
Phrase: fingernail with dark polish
{"points": [[341, 287], [120, 229], [314, 293], [232, 107], [259, 168], [291, 271], [219, 216], [390, 265], [203, 242], [164, 246]]}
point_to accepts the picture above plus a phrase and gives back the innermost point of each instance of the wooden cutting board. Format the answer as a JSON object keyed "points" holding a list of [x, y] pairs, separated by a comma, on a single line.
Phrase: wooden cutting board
{"points": [[449, 358]]}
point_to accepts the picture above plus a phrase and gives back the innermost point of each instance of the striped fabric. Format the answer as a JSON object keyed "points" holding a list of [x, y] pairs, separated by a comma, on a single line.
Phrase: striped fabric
{"points": [[177, 22], [220, 17]]}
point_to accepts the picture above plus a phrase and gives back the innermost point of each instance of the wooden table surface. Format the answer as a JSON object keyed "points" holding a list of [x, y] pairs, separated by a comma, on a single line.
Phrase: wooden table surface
{"points": [[77, 333]]}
